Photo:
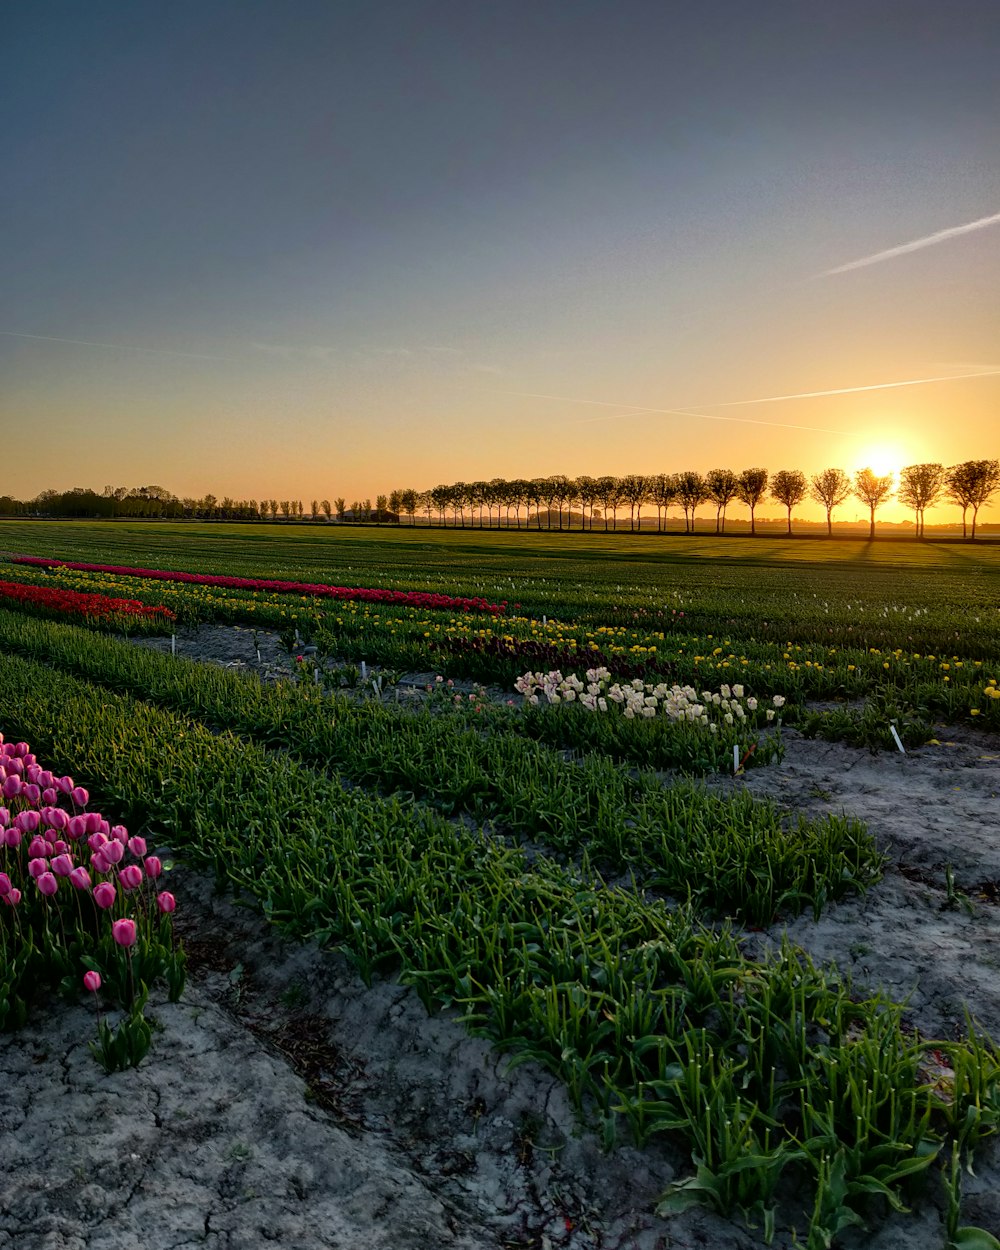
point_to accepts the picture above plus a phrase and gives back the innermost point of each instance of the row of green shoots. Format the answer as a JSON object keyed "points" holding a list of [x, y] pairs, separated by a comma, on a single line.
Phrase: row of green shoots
{"points": [[793, 1095]]}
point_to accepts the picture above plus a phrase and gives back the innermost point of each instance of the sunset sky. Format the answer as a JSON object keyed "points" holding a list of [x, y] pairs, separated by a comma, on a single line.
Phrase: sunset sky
{"points": [[314, 248]]}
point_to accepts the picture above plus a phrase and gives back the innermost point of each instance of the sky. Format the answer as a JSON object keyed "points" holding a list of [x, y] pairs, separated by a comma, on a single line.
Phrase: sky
{"points": [[320, 248]]}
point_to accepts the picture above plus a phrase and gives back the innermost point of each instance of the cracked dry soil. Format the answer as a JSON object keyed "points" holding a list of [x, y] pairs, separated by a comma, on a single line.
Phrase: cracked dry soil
{"points": [[284, 1103]]}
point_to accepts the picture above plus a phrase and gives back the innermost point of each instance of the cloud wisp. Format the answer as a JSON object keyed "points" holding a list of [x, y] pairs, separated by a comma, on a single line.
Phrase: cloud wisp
{"points": [[118, 347], [915, 245]]}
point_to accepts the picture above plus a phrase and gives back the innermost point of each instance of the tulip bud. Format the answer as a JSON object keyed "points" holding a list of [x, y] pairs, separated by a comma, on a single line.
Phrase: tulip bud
{"points": [[62, 865], [130, 877], [36, 867], [47, 884], [104, 895], [152, 866], [5, 886], [166, 902], [27, 822], [32, 793], [13, 898], [12, 787], [49, 795], [99, 862], [4, 817], [113, 852], [37, 846], [92, 981], [124, 932], [80, 878], [137, 846], [96, 840], [80, 796]]}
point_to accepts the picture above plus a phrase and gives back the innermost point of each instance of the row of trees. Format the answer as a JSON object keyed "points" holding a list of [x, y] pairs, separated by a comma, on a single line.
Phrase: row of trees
{"points": [[969, 485], [559, 500]]}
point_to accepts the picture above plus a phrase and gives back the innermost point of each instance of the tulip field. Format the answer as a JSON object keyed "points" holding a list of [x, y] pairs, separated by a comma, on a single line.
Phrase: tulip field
{"points": [[538, 856]]}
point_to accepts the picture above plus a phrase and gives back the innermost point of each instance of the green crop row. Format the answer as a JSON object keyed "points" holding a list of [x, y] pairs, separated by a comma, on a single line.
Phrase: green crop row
{"points": [[737, 856], [765, 1070]]}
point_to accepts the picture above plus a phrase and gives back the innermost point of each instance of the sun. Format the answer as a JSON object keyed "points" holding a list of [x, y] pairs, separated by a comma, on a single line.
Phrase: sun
{"points": [[882, 459]]}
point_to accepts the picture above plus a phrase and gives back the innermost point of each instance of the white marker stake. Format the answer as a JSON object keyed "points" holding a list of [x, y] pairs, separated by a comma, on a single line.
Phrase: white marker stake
{"points": [[173, 644], [296, 637], [892, 730], [364, 671], [736, 759], [257, 649], [316, 676]]}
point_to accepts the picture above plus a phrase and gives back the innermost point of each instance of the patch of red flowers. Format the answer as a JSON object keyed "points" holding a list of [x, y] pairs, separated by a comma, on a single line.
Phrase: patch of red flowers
{"points": [[406, 598], [73, 603]]}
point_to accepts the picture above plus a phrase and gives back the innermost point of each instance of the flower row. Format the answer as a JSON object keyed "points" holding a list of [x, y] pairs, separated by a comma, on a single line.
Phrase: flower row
{"points": [[729, 705], [412, 598], [75, 603]]}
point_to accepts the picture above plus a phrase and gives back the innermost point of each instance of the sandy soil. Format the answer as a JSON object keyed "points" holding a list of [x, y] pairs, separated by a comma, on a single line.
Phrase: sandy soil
{"points": [[284, 1103]]}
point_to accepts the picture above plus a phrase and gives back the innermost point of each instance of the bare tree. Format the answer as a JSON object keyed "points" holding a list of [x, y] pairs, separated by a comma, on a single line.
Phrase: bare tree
{"points": [[692, 491], [751, 487], [663, 492], [788, 486], [635, 492], [970, 485], [873, 491], [609, 496], [721, 486], [920, 485], [830, 488]]}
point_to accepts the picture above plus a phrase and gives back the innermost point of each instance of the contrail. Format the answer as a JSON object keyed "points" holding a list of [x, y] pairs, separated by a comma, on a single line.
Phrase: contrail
{"points": [[853, 390], [940, 236], [121, 347], [637, 410]]}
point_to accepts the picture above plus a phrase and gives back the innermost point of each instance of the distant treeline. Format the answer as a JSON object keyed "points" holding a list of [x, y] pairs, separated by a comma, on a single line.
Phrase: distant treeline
{"points": [[561, 502]]}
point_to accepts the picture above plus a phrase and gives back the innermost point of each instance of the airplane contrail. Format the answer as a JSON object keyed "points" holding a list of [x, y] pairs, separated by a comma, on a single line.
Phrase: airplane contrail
{"points": [[915, 245], [852, 390], [124, 347], [637, 410]]}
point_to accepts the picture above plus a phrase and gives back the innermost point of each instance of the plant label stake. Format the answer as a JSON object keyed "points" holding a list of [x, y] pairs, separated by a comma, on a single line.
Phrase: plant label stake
{"points": [[736, 759], [364, 671], [173, 644], [892, 730], [316, 676]]}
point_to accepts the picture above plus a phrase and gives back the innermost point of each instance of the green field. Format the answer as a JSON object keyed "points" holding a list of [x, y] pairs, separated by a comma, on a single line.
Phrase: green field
{"points": [[466, 846]]}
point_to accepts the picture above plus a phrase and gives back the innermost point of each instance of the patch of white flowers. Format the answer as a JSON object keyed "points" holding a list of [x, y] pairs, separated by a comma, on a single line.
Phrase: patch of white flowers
{"points": [[729, 705]]}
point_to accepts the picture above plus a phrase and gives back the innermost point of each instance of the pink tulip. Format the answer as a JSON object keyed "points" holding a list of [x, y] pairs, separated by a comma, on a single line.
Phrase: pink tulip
{"points": [[119, 833], [113, 852], [12, 837], [65, 784], [77, 827], [99, 862], [92, 981], [137, 846], [36, 867], [80, 877], [14, 768], [27, 822], [80, 796], [49, 795], [104, 895], [45, 778], [13, 897], [59, 847], [32, 772], [32, 793], [37, 846], [56, 818], [4, 817], [130, 877], [166, 902], [62, 865], [12, 787], [96, 841], [153, 867], [22, 749], [47, 884], [93, 820], [5, 886], [124, 932]]}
